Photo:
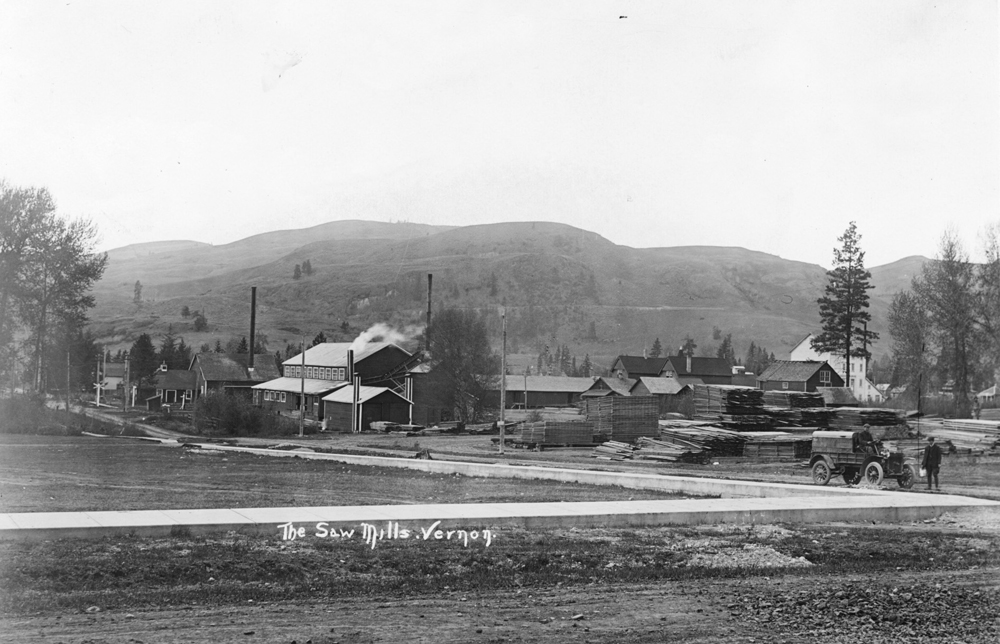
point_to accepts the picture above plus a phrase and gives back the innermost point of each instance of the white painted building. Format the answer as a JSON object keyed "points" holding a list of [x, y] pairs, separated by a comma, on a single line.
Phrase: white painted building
{"points": [[862, 388]]}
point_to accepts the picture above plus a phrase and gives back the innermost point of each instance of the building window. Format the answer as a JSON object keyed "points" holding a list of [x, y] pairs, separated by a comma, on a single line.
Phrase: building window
{"points": [[282, 396], [784, 385], [341, 374], [824, 378]]}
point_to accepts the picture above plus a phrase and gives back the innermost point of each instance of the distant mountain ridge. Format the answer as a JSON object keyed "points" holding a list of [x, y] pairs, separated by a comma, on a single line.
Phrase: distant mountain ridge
{"points": [[558, 283]]}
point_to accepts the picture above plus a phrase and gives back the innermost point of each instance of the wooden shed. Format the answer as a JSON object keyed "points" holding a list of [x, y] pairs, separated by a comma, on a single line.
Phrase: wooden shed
{"points": [[374, 404]]}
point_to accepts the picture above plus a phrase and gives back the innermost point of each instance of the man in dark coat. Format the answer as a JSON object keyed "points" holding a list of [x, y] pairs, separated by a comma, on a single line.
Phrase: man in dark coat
{"points": [[932, 462]]}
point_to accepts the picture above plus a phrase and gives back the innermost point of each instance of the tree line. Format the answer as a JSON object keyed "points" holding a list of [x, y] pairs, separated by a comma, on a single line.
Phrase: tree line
{"points": [[47, 266], [946, 327]]}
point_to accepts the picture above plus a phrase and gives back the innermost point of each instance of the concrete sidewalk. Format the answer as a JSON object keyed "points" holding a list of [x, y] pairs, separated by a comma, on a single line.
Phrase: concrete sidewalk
{"points": [[868, 508]]}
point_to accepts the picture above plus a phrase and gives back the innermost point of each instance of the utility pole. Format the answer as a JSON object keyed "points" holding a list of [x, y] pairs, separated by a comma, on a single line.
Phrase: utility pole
{"points": [[503, 375], [302, 399]]}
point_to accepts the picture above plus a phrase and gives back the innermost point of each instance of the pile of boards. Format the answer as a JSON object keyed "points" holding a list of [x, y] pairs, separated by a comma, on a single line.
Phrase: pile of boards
{"points": [[613, 451], [794, 399], [713, 441], [884, 423], [733, 407], [623, 418], [776, 445], [969, 436], [558, 432]]}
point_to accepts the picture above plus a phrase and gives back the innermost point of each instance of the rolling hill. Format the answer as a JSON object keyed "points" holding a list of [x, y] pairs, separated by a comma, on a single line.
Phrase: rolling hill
{"points": [[558, 283]]}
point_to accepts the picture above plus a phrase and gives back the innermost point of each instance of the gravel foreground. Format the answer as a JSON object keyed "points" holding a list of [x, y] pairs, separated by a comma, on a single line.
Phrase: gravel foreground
{"points": [[934, 581]]}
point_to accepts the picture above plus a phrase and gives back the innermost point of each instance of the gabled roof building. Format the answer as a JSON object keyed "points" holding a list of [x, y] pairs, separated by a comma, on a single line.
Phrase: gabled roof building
{"points": [[796, 375]]}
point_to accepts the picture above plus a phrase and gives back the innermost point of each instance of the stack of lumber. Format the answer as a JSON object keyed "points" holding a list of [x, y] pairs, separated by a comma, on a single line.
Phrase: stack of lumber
{"points": [[817, 416], [713, 440], [738, 408], [793, 399], [555, 432], [852, 418], [969, 436], [613, 451], [713, 400], [993, 413], [776, 445], [623, 418], [650, 449]]}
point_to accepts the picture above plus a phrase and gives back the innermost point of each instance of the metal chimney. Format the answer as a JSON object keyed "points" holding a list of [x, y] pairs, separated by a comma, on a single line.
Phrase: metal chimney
{"points": [[427, 333], [253, 325], [350, 365]]}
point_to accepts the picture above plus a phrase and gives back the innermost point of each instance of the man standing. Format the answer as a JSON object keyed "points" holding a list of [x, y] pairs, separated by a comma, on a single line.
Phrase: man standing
{"points": [[932, 462]]}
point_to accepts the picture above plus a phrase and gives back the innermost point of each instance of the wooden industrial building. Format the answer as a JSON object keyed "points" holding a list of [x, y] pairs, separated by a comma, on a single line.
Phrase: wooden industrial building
{"points": [[799, 375]]}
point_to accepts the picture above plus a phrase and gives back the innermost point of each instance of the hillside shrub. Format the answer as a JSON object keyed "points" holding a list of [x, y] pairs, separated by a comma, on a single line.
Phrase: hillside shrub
{"points": [[219, 413]]}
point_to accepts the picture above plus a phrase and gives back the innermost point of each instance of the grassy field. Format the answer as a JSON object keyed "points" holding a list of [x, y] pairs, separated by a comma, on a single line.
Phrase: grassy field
{"points": [[61, 474]]}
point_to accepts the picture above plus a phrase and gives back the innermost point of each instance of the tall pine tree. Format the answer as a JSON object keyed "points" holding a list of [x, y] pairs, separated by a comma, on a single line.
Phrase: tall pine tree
{"points": [[843, 310]]}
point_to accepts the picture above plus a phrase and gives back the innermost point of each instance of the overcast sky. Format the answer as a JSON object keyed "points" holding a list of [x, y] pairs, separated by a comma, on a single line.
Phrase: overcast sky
{"points": [[768, 125]]}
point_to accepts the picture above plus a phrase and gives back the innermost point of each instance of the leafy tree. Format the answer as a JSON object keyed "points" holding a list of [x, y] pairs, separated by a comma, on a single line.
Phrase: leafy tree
{"points": [[687, 349], [463, 367], [657, 350], [142, 359], [297, 273], [946, 289], [726, 351], [307, 267], [909, 327], [185, 311], [205, 348], [345, 327], [843, 309], [52, 285], [200, 321]]}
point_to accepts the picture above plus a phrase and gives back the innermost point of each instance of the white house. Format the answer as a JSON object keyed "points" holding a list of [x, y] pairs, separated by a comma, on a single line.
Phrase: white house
{"points": [[862, 388]]}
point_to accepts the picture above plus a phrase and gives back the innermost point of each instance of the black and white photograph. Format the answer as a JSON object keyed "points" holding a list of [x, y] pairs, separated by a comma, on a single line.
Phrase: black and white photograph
{"points": [[610, 321]]}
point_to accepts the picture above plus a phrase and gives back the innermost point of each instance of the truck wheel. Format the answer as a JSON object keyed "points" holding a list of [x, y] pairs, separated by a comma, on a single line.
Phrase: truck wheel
{"points": [[821, 473], [852, 476], [874, 473], [907, 478]]}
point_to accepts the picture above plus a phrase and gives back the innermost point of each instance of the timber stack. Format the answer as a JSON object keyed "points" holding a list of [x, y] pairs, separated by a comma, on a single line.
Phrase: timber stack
{"points": [[623, 418], [558, 432], [736, 408]]}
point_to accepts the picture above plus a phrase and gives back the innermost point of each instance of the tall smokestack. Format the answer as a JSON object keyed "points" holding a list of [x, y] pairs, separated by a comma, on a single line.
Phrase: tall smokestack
{"points": [[253, 325], [427, 333], [350, 365]]}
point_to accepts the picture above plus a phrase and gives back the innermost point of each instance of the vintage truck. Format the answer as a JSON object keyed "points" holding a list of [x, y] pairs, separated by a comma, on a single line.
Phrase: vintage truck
{"points": [[841, 453]]}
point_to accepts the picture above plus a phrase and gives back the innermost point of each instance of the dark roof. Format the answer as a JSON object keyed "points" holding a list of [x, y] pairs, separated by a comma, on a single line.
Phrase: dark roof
{"points": [[700, 366], [175, 379], [233, 367], [792, 370], [639, 366]]}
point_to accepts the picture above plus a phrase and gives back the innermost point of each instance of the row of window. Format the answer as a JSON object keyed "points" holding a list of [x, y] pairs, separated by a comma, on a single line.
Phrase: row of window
{"points": [[274, 396], [318, 373]]}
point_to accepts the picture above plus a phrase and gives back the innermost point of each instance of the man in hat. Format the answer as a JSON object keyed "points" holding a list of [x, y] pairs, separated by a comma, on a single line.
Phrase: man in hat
{"points": [[866, 441], [932, 462]]}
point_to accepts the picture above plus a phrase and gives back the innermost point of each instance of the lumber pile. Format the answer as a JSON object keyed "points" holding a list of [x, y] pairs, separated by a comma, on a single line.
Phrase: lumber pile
{"points": [[712, 440], [969, 436], [613, 451], [793, 399], [651, 449], [623, 418], [557, 432], [736, 408], [776, 445], [851, 418], [992, 413], [817, 416]]}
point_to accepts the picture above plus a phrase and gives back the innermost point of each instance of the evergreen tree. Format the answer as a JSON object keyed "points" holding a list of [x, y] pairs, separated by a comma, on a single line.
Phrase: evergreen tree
{"points": [[585, 366], [297, 273], [168, 349], [182, 356], [657, 349], [200, 321], [243, 347], [726, 351], [260, 343], [843, 310], [319, 339], [142, 359], [218, 346], [688, 347], [185, 311]]}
